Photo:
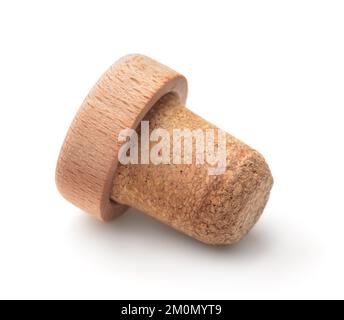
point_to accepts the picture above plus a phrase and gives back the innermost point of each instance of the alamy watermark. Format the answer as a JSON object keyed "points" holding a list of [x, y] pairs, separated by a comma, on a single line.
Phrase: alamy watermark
{"points": [[183, 146]]}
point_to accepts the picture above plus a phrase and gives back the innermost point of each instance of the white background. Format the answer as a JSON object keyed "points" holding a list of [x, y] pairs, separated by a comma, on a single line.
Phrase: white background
{"points": [[269, 72]]}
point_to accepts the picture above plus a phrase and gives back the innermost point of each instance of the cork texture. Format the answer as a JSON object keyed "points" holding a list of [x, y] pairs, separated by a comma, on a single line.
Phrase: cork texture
{"points": [[218, 209]]}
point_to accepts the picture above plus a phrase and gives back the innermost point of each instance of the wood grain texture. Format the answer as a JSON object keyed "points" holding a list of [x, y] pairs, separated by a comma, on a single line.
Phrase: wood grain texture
{"points": [[119, 100]]}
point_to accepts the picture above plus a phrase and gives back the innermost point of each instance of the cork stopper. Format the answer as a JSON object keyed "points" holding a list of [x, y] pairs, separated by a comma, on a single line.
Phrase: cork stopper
{"points": [[215, 208]]}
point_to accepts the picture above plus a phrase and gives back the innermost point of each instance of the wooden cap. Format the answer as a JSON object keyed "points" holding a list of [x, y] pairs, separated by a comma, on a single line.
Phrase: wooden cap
{"points": [[119, 100]]}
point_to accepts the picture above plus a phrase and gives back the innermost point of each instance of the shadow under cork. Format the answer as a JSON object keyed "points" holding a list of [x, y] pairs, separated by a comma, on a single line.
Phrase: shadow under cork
{"points": [[136, 246], [136, 231]]}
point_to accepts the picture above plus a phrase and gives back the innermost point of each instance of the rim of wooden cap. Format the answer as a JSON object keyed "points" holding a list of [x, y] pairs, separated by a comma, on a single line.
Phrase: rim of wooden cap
{"points": [[119, 100]]}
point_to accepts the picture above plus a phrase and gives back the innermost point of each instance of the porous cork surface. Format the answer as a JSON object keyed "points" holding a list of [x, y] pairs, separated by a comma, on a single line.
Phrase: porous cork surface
{"points": [[213, 209]]}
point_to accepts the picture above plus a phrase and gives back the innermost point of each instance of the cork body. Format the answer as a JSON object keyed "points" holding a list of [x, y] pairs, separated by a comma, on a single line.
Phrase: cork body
{"points": [[215, 209]]}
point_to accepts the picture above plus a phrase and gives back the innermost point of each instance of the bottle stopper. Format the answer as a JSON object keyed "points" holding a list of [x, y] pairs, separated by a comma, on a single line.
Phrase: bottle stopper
{"points": [[211, 202]]}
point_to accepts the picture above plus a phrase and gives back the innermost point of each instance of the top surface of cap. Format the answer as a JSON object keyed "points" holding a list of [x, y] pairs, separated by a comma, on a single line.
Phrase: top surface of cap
{"points": [[119, 100]]}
